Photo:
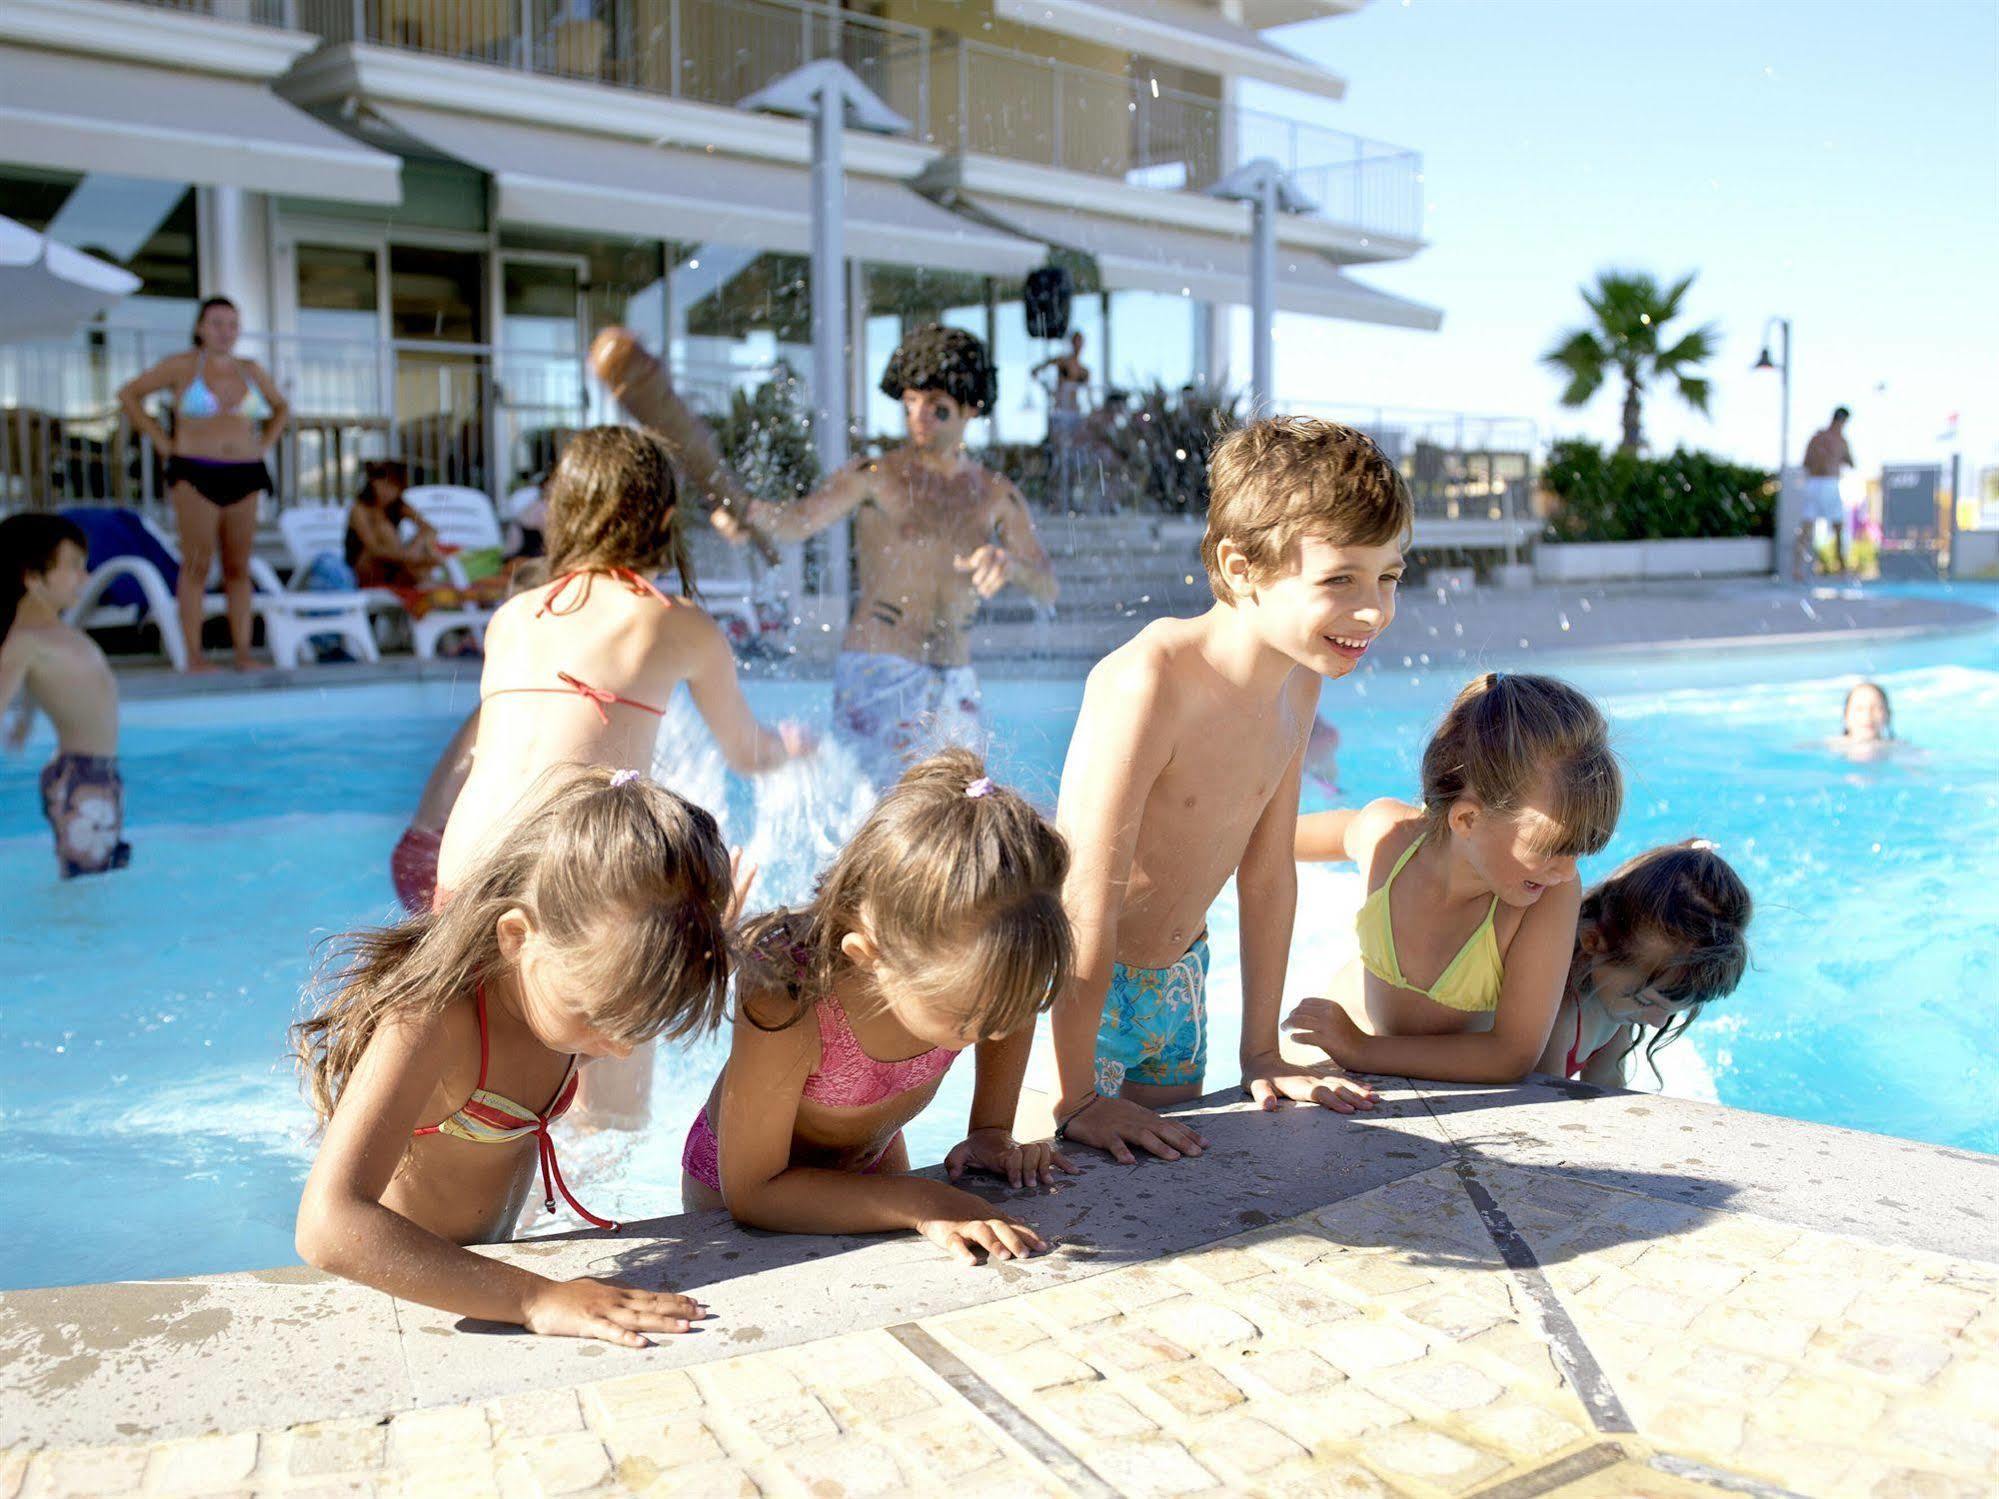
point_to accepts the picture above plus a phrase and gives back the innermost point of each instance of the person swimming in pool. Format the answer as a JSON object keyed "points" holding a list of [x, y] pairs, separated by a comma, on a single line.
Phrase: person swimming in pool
{"points": [[1867, 727]]}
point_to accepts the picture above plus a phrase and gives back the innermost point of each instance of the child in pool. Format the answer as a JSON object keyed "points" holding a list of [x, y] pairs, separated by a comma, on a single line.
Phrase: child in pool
{"points": [[1656, 942], [579, 670], [1185, 769], [413, 863], [1866, 724], [41, 572], [599, 923], [1470, 918], [938, 927]]}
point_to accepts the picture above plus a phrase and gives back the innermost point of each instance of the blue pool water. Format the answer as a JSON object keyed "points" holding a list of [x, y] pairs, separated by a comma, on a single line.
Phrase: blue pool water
{"points": [[150, 1123]]}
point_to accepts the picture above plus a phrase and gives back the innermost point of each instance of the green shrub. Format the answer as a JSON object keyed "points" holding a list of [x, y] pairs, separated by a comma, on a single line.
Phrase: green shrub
{"points": [[1164, 442], [1620, 496]]}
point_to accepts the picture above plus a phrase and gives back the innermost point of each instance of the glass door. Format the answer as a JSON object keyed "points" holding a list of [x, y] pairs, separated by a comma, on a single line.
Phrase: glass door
{"points": [[543, 391]]}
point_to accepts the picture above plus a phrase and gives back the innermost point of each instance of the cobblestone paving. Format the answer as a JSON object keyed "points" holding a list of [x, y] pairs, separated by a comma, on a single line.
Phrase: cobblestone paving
{"points": [[1388, 1344]]}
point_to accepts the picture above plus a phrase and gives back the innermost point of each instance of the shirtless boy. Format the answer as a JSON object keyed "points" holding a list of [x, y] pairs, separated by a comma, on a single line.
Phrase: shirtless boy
{"points": [[1185, 769], [41, 572], [934, 534]]}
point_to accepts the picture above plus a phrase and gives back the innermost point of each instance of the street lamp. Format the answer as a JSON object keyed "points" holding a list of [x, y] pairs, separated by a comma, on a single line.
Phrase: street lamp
{"points": [[1783, 368]]}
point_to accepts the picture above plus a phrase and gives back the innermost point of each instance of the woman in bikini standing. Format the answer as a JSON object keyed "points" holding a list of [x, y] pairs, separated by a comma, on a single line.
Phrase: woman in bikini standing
{"points": [[227, 414]]}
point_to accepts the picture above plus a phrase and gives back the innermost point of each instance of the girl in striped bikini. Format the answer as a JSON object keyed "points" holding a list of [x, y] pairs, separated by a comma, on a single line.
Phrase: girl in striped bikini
{"points": [[600, 923]]}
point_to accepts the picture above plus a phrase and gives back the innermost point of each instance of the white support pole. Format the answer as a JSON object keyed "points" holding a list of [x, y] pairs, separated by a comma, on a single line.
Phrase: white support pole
{"points": [[1263, 299]]}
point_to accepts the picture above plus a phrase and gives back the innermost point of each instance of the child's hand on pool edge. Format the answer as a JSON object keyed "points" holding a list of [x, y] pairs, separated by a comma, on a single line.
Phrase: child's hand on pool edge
{"points": [[995, 1150], [960, 1224], [607, 1311], [1271, 1082]]}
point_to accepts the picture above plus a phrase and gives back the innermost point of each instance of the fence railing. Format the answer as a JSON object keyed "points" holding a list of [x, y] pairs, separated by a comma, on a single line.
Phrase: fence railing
{"points": [[466, 414], [1460, 467], [257, 12], [710, 51]]}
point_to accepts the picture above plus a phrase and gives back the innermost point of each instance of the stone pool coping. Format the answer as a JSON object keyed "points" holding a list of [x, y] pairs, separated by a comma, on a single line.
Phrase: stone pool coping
{"points": [[132, 1377]]}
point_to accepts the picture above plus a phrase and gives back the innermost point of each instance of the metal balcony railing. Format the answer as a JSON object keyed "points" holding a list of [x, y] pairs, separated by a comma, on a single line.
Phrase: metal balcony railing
{"points": [[257, 12]]}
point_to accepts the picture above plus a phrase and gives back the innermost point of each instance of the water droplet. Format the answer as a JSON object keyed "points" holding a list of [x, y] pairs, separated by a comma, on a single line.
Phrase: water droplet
{"points": [[1565, 623]]}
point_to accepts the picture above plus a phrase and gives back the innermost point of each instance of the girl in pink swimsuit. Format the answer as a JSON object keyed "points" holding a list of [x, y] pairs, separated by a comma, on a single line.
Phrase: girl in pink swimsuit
{"points": [[452, 1042], [939, 927]]}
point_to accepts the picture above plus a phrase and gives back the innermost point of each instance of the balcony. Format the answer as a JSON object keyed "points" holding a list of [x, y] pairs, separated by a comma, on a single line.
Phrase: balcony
{"points": [[959, 94]]}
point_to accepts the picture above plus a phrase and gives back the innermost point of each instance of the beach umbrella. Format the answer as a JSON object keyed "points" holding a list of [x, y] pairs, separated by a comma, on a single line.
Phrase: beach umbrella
{"points": [[48, 290]]}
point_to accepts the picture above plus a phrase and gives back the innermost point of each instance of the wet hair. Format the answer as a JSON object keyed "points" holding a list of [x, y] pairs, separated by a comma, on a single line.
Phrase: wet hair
{"points": [[961, 894], [1887, 712], [1687, 898], [29, 546], [1506, 736], [935, 357], [626, 881], [613, 502], [1840, 413], [1274, 481], [208, 304]]}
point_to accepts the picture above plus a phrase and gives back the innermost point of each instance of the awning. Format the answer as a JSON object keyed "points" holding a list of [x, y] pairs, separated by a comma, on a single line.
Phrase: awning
{"points": [[47, 289], [91, 114], [555, 178], [1201, 264], [1179, 32]]}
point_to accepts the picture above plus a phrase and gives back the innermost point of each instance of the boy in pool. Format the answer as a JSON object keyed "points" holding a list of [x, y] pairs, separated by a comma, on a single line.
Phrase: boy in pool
{"points": [[41, 572], [1185, 769]]}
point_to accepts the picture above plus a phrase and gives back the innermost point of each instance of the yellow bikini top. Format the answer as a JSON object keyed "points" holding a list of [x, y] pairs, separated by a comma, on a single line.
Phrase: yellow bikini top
{"points": [[1470, 981]]}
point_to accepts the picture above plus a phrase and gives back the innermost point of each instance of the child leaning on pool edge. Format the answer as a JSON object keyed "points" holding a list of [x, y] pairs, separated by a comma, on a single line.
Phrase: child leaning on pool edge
{"points": [[1470, 916], [42, 569], [599, 923], [1656, 943], [1185, 769], [938, 927]]}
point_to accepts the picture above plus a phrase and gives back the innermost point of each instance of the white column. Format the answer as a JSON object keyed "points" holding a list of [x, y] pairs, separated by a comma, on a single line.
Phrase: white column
{"points": [[233, 252]]}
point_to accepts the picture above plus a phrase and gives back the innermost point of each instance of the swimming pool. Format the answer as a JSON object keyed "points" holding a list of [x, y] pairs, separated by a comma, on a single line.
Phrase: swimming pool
{"points": [[150, 1124]]}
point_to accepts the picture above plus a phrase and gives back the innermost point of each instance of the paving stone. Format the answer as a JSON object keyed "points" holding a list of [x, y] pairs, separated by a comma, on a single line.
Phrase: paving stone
{"points": [[1201, 1326], [877, 1400], [1809, 1467], [741, 1381], [1932, 1311], [1524, 1354], [1806, 1404], [988, 1331], [707, 1480], [425, 1438], [846, 1467], [787, 1420], [1056, 1310], [1195, 1390], [1303, 1304], [1127, 1347], [1366, 1344], [1523, 1430], [1649, 1306], [85, 1471], [948, 1446], [1043, 1364], [1285, 1371], [1132, 1290], [640, 1398], [1905, 1360], [1287, 1248], [1238, 1445], [1694, 1425], [1331, 1475], [324, 1448], [201, 1465], [13, 1471], [1444, 1385], [1369, 1275], [1755, 1332], [1880, 1481], [566, 1462], [1221, 1265], [1455, 1315], [1936, 1432], [667, 1445], [1331, 1418], [1699, 1276], [1431, 1456], [535, 1413], [1098, 1412], [1149, 1466]]}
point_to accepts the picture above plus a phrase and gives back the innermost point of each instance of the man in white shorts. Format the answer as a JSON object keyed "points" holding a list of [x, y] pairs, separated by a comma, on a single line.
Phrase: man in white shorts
{"points": [[1825, 455]]}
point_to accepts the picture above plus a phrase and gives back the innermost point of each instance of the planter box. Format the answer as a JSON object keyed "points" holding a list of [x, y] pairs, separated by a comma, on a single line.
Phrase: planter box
{"points": [[1679, 557]]}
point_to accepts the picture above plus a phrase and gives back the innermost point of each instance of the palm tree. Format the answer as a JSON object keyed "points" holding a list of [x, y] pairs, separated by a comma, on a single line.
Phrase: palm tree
{"points": [[1631, 314]]}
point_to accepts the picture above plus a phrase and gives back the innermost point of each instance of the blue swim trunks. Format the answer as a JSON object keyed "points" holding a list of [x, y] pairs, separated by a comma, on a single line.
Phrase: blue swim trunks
{"points": [[1155, 1026]]}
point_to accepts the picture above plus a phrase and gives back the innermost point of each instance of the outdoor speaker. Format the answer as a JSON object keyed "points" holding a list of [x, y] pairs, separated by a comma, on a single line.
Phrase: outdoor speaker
{"points": [[1047, 297]]}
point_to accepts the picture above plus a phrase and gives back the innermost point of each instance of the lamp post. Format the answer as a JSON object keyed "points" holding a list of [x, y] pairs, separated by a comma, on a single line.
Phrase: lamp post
{"points": [[1269, 191], [1783, 368]]}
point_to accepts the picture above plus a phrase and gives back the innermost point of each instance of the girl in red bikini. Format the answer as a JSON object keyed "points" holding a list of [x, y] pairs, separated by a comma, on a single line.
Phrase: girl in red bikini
{"points": [[452, 1042], [580, 669], [1656, 943], [939, 927]]}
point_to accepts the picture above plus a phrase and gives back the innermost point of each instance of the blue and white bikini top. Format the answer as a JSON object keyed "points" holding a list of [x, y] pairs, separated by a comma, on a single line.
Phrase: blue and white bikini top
{"points": [[199, 400]]}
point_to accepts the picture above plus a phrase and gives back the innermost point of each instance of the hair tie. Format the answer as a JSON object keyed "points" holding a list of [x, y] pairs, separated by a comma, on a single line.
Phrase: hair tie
{"points": [[983, 786], [623, 778]]}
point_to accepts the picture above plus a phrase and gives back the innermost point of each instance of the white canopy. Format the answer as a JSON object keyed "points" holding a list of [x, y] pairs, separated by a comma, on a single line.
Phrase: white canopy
{"points": [[48, 290]]}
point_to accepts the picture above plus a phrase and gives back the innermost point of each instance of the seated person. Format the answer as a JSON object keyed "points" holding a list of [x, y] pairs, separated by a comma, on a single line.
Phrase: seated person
{"points": [[375, 546]]}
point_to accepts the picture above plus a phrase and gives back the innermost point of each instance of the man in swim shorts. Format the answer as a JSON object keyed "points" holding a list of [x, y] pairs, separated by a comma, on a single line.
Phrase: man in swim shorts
{"points": [[1825, 455], [934, 533]]}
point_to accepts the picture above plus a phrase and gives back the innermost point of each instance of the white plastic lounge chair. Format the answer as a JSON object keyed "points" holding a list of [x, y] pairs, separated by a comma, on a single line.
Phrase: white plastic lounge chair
{"points": [[462, 517], [310, 530], [290, 619]]}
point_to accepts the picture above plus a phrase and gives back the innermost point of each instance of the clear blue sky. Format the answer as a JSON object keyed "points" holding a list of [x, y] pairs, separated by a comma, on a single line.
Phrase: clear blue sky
{"points": [[1833, 161]]}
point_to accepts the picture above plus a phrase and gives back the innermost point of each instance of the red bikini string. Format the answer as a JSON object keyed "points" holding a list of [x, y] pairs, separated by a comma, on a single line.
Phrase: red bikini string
{"points": [[552, 1182]]}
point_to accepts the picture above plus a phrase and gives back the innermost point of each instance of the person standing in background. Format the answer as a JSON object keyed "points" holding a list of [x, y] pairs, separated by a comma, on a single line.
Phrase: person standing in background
{"points": [[1825, 455]]}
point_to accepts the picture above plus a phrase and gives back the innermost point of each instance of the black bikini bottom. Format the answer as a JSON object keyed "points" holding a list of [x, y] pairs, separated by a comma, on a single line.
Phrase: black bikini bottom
{"points": [[218, 481]]}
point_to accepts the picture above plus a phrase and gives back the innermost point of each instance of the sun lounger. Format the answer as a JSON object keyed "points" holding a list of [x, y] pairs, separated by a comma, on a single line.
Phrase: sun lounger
{"points": [[310, 530]]}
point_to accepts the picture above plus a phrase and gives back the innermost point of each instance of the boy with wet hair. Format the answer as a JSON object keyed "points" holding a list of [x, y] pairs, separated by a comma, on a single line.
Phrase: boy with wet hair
{"points": [[42, 570], [935, 533], [1185, 769]]}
